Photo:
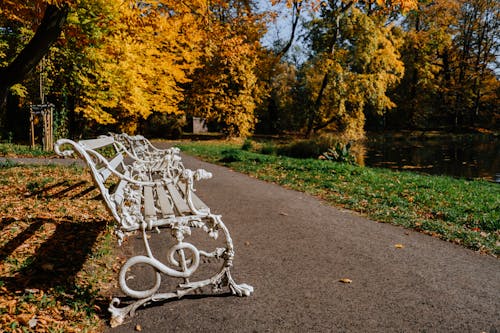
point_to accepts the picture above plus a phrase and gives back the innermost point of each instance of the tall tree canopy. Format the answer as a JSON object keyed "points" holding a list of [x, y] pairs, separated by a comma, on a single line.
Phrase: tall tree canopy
{"points": [[135, 58], [225, 89], [145, 54], [117, 62]]}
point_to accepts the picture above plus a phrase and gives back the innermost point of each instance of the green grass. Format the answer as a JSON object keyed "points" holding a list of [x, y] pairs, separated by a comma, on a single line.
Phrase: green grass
{"points": [[462, 211], [9, 149]]}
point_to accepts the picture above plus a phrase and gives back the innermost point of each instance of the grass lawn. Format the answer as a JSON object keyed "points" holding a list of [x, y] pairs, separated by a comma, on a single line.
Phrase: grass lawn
{"points": [[462, 211], [56, 250]]}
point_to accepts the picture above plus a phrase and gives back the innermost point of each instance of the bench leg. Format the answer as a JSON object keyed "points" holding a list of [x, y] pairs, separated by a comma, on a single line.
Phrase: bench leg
{"points": [[183, 268]]}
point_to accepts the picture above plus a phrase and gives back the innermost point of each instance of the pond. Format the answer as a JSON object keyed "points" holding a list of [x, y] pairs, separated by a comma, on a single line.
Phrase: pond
{"points": [[467, 156]]}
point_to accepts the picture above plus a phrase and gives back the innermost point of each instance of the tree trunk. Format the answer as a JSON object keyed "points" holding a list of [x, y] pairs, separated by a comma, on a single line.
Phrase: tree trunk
{"points": [[46, 34]]}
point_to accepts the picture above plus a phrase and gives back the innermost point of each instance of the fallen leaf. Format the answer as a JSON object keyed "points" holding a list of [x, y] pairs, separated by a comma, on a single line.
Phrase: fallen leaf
{"points": [[247, 243], [138, 328], [345, 280], [116, 321], [24, 318], [283, 213], [399, 246]]}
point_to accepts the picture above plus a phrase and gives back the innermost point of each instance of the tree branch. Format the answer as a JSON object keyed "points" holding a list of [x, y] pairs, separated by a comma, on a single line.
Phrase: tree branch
{"points": [[295, 21]]}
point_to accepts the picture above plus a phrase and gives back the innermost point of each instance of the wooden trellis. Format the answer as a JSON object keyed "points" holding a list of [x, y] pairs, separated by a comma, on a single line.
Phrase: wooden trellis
{"points": [[45, 113]]}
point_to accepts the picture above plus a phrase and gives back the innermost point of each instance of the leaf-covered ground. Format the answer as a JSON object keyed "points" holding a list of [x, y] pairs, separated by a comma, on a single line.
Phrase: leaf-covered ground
{"points": [[56, 250]]}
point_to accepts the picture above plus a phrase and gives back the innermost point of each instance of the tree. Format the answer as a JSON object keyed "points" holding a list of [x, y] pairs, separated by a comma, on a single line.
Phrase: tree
{"points": [[354, 62], [226, 89], [46, 35], [427, 35], [450, 59], [140, 63], [477, 42]]}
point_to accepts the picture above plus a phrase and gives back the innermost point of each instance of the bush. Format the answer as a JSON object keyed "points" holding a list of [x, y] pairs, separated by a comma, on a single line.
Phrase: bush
{"points": [[268, 149], [231, 155], [340, 153], [306, 148], [247, 145]]}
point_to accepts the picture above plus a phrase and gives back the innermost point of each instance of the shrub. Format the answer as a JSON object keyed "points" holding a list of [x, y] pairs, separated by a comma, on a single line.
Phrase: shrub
{"points": [[231, 155], [247, 145], [340, 153], [268, 149], [311, 148]]}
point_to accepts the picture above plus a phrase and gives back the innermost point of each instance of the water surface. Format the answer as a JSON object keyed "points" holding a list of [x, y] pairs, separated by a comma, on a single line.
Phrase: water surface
{"points": [[467, 156]]}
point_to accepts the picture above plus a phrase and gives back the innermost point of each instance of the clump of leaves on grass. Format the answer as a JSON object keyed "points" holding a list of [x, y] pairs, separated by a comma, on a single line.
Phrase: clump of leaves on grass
{"points": [[457, 210], [55, 251]]}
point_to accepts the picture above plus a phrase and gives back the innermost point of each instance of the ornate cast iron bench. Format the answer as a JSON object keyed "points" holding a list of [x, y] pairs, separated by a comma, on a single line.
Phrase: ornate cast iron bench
{"points": [[152, 193]]}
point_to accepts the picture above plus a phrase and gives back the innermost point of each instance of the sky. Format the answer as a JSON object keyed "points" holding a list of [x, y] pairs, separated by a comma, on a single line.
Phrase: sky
{"points": [[281, 29]]}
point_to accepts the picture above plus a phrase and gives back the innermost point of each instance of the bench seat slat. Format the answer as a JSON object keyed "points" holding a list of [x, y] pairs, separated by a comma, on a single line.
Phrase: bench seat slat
{"points": [[118, 194], [149, 205], [165, 206], [97, 143], [197, 202], [179, 202]]}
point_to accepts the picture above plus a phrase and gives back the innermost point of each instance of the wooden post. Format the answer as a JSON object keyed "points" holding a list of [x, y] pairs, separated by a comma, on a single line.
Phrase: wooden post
{"points": [[46, 112], [32, 128]]}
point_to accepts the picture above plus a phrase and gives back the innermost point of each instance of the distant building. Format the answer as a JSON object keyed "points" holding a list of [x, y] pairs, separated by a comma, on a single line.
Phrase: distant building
{"points": [[199, 125]]}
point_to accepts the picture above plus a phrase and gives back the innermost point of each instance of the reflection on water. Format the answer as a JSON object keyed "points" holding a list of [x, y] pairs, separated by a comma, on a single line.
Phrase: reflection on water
{"points": [[468, 156]]}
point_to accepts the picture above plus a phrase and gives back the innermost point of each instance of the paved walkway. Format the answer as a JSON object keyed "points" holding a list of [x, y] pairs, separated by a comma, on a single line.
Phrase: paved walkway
{"points": [[294, 249]]}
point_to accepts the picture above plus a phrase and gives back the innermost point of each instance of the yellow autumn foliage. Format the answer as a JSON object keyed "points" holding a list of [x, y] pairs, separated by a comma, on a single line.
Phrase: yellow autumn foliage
{"points": [[358, 75], [226, 89], [141, 62]]}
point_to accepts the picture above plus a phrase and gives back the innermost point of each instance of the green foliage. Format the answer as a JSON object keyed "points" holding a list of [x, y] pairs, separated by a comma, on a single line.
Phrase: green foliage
{"points": [[247, 145], [339, 153], [10, 149], [231, 155], [311, 148], [302, 149], [8, 163], [268, 148]]}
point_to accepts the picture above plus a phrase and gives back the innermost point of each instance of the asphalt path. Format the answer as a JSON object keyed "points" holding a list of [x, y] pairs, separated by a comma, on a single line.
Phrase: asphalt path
{"points": [[295, 249]]}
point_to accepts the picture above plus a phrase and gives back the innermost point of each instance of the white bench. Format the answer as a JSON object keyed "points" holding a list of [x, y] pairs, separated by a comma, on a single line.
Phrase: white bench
{"points": [[148, 194]]}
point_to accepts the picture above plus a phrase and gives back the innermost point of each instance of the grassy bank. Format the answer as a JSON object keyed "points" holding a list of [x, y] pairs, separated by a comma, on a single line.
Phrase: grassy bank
{"points": [[461, 211], [56, 250]]}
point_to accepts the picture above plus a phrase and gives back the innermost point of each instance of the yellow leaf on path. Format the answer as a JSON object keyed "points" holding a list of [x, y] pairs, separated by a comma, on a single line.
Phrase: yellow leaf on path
{"points": [[138, 328], [399, 246], [345, 280]]}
